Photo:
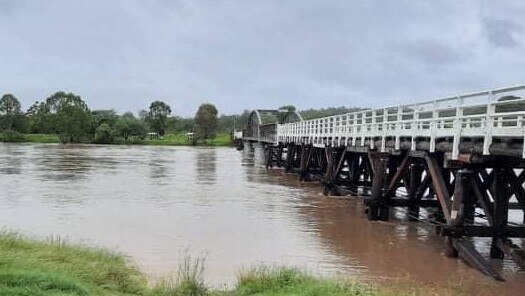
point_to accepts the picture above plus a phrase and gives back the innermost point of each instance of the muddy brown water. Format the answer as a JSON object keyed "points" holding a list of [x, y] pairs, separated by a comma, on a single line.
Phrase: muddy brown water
{"points": [[158, 203]]}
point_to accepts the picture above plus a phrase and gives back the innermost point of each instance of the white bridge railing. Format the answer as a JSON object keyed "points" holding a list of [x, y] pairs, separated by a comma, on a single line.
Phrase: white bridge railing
{"points": [[484, 115]]}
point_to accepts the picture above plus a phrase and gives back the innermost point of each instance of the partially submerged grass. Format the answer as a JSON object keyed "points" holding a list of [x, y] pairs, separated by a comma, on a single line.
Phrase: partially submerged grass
{"points": [[31, 267], [189, 280], [55, 267], [273, 281]]}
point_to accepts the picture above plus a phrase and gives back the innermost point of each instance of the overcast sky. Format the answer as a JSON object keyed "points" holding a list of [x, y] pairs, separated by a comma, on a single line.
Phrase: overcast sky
{"points": [[241, 54]]}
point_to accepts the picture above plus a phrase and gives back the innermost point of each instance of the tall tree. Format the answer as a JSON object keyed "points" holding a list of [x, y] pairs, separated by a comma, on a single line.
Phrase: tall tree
{"points": [[68, 115], [157, 116], [206, 122], [104, 116], [9, 109], [32, 117]]}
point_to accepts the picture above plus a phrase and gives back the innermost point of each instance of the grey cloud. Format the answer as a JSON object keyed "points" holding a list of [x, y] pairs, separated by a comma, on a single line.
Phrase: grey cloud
{"points": [[245, 54], [502, 32], [431, 53], [9, 6]]}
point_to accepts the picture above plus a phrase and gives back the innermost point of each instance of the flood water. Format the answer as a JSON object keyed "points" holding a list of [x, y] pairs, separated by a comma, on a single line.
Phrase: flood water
{"points": [[158, 203]]}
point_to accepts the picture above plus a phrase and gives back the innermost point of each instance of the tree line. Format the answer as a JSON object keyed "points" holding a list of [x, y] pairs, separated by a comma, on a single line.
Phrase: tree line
{"points": [[69, 117]]}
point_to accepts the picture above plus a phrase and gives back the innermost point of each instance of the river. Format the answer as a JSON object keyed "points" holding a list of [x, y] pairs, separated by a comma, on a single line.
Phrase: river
{"points": [[156, 204]]}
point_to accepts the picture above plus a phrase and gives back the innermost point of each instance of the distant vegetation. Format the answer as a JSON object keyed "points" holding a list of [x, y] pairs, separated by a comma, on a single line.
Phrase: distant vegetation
{"points": [[324, 112], [65, 117]]}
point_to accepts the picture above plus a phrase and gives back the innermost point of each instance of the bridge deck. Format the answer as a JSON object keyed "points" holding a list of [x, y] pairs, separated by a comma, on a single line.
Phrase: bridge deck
{"points": [[476, 121]]}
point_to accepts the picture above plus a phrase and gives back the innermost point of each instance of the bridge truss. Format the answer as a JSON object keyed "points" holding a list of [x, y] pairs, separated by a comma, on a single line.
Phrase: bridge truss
{"points": [[457, 163]]}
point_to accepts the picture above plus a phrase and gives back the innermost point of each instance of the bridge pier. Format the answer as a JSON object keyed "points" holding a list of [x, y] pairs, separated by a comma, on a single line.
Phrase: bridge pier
{"points": [[418, 183], [259, 153], [247, 145], [376, 208], [415, 180]]}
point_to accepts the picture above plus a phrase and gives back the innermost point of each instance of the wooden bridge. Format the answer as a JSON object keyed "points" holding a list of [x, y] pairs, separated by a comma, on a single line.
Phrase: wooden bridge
{"points": [[456, 163]]}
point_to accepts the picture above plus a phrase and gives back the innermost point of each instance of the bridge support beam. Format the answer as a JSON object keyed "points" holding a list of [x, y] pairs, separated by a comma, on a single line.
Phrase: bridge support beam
{"points": [[426, 178], [335, 159], [247, 145], [376, 205]]}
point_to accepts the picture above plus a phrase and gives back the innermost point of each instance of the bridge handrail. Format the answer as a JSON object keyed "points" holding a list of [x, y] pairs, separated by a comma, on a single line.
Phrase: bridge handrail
{"points": [[443, 117]]}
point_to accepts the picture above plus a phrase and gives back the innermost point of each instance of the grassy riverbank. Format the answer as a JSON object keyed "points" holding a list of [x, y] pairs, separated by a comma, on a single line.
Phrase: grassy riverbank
{"points": [[182, 140], [30, 267], [30, 138], [168, 140]]}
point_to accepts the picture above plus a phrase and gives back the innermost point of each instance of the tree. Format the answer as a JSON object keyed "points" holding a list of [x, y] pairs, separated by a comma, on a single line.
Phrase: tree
{"points": [[181, 124], [68, 115], [284, 110], [289, 108], [103, 134], [206, 122], [32, 118], [104, 116], [128, 126], [143, 115], [324, 112], [41, 119], [10, 112], [157, 116]]}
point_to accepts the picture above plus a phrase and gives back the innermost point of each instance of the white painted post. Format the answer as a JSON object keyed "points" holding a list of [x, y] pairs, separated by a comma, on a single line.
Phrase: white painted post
{"points": [[398, 127], [415, 127], [433, 128], [489, 124], [457, 129]]}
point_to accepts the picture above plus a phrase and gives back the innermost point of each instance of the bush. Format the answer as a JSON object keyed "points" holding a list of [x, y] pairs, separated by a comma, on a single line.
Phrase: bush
{"points": [[189, 280], [103, 134]]}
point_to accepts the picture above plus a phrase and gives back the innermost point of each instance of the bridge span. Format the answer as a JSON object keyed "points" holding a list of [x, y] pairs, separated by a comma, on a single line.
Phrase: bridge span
{"points": [[456, 163]]}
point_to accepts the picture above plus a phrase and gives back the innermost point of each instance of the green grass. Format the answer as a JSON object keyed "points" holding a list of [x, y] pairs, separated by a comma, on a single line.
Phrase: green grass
{"points": [[188, 281], [182, 140], [29, 138], [41, 138], [30, 267], [222, 139], [55, 267], [266, 281]]}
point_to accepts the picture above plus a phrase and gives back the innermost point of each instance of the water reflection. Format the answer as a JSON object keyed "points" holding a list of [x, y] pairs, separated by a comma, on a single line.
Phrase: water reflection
{"points": [[159, 165], [11, 160], [63, 163], [206, 166]]}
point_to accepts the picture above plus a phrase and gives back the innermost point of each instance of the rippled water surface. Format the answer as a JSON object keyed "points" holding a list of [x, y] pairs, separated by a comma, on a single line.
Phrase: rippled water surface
{"points": [[155, 203]]}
